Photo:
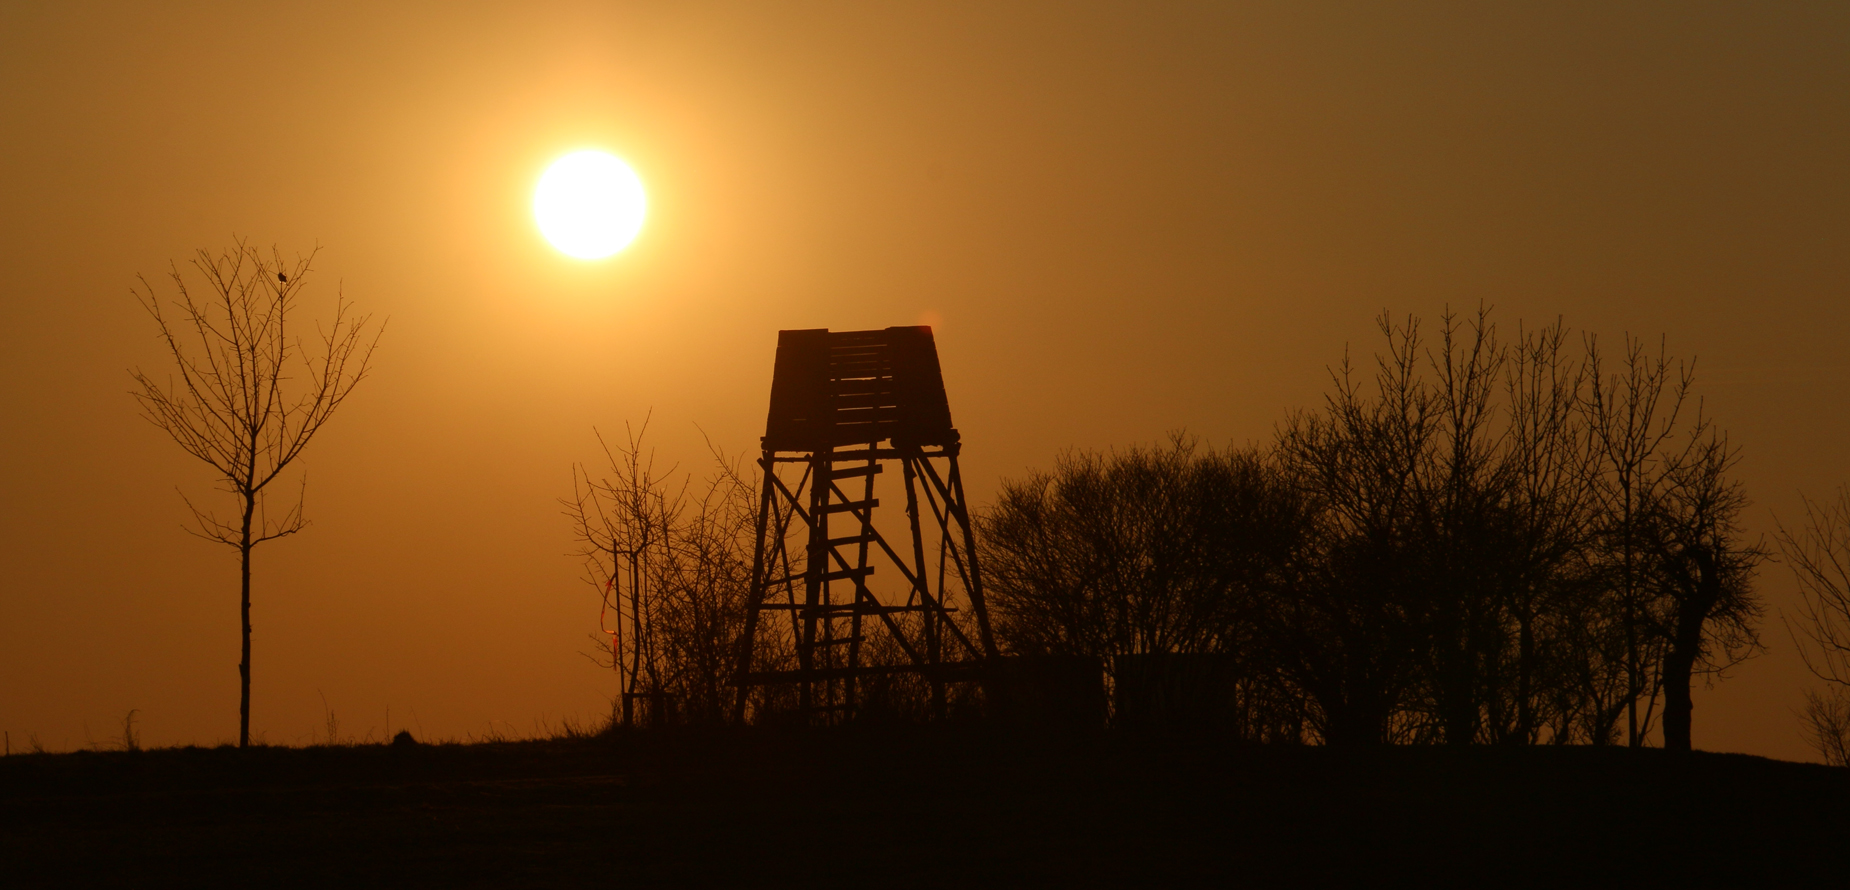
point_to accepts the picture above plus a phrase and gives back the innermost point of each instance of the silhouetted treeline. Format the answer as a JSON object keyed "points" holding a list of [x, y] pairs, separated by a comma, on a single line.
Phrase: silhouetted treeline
{"points": [[1475, 541]]}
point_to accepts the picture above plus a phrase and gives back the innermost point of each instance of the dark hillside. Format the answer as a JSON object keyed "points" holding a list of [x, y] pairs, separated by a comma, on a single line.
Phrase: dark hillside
{"points": [[912, 808]]}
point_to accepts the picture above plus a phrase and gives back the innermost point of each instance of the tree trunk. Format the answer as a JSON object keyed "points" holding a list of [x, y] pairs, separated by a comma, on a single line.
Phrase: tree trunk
{"points": [[1699, 597], [1525, 667], [1456, 682], [244, 665], [1679, 666], [1633, 687]]}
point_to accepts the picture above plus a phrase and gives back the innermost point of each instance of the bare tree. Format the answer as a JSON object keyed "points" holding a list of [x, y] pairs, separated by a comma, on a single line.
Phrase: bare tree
{"points": [[1704, 572], [1819, 554], [1547, 510], [674, 572], [1633, 416], [1448, 522], [1353, 619], [1463, 520], [622, 520], [1147, 553], [1826, 724], [246, 394]]}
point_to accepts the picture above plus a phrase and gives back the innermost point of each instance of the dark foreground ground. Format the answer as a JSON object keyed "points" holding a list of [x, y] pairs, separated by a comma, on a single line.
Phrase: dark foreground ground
{"points": [[933, 808]]}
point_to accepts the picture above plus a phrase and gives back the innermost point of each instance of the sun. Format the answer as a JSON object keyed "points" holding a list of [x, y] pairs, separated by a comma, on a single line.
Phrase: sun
{"points": [[589, 204]]}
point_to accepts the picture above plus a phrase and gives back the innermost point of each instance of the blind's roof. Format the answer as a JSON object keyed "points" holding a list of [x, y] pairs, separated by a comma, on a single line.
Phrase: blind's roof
{"points": [[833, 388]]}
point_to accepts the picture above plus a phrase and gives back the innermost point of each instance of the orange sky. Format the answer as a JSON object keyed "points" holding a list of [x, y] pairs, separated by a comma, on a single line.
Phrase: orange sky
{"points": [[1120, 221]]}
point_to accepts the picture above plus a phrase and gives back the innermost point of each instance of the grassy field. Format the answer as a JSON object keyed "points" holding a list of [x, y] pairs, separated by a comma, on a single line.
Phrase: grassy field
{"points": [[914, 808]]}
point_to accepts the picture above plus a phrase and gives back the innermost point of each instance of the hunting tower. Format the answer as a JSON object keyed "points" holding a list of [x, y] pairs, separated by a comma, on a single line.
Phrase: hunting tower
{"points": [[845, 407]]}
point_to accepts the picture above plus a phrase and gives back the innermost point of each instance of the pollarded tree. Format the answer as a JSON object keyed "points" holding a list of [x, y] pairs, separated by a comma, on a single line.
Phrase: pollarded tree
{"points": [[1704, 571], [247, 394]]}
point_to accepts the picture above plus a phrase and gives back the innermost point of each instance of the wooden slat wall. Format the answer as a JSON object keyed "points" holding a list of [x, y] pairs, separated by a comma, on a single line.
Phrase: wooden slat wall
{"points": [[855, 388]]}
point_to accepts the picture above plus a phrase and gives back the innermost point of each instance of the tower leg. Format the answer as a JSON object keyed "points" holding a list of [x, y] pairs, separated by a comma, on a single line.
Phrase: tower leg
{"points": [[755, 597]]}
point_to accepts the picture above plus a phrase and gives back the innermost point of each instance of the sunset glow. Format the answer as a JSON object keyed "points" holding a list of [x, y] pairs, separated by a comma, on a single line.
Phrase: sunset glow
{"points": [[1128, 228], [589, 205]]}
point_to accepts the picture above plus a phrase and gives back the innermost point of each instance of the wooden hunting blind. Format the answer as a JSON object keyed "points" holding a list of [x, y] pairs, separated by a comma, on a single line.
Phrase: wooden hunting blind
{"points": [[845, 405], [831, 389]]}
